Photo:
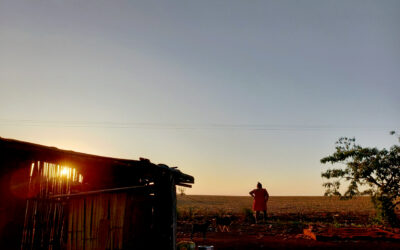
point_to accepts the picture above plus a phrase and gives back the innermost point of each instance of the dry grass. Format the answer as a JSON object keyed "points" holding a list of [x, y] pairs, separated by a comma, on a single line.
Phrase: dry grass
{"points": [[207, 204]]}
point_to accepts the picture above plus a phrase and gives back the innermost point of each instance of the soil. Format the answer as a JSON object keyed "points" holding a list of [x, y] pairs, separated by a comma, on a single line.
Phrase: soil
{"points": [[338, 224], [273, 236], [245, 241]]}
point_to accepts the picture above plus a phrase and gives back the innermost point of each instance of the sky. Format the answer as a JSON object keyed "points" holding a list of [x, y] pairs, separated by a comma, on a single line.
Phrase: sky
{"points": [[231, 92]]}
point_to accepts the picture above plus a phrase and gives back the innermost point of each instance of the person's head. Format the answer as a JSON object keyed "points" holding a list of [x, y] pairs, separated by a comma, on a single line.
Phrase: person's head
{"points": [[259, 185]]}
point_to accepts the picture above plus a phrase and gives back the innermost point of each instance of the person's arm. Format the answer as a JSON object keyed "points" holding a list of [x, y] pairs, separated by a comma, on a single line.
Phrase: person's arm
{"points": [[252, 193], [266, 195]]}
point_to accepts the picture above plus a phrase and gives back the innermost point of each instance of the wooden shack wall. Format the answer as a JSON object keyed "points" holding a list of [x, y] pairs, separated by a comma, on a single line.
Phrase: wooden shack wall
{"points": [[13, 199], [99, 172], [96, 222], [126, 220]]}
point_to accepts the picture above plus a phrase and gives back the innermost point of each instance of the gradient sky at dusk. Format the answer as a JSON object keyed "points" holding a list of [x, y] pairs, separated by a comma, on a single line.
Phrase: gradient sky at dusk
{"points": [[231, 92]]}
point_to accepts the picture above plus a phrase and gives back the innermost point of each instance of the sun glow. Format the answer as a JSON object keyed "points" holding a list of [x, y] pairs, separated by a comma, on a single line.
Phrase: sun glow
{"points": [[65, 172], [55, 171], [47, 179]]}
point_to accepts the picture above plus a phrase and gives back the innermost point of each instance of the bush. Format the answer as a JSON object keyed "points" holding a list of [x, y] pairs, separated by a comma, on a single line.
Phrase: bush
{"points": [[248, 215]]}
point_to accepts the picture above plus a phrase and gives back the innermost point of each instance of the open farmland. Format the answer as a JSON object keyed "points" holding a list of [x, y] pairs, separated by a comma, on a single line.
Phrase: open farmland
{"points": [[277, 205], [288, 216]]}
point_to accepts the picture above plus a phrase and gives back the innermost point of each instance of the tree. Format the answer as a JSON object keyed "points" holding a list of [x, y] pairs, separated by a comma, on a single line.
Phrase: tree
{"points": [[366, 171]]}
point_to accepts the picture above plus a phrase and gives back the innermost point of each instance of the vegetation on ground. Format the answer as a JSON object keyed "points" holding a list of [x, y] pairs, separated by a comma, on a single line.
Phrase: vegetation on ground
{"points": [[281, 209]]}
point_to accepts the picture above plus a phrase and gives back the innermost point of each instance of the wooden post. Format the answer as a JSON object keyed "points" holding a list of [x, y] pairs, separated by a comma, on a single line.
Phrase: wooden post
{"points": [[166, 216]]}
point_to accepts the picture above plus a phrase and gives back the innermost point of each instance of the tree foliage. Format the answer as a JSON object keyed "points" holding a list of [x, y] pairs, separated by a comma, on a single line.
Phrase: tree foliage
{"points": [[366, 171]]}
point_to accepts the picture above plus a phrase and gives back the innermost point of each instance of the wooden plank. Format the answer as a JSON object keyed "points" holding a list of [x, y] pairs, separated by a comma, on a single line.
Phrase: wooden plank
{"points": [[79, 225], [84, 224], [184, 185], [173, 213], [88, 222], [121, 219], [73, 230], [113, 205], [112, 190], [166, 212], [94, 227]]}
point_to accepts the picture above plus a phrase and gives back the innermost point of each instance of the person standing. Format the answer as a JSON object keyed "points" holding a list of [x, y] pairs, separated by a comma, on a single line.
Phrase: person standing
{"points": [[260, 196]]}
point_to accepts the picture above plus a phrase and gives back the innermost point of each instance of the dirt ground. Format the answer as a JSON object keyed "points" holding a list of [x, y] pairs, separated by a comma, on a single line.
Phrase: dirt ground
{"points": [[264, 237], [245, 241], [288, 216]]}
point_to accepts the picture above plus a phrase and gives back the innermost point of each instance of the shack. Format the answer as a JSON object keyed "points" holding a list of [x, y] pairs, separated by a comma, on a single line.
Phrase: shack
{"points": [[60, 199]]}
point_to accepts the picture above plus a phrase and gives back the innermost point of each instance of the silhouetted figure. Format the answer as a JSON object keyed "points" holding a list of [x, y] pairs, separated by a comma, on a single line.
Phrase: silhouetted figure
{"points": [[201, 228], [223, 223], [260, 196]]}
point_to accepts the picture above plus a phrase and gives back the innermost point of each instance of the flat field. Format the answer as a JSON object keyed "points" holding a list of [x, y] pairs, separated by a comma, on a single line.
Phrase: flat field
{"points": [[287, 217], [277, 205]]}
